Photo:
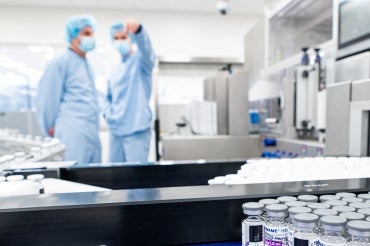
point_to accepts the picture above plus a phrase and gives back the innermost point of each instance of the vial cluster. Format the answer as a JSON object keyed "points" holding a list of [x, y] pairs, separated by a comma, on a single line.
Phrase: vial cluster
{"points": [[340, 219]]}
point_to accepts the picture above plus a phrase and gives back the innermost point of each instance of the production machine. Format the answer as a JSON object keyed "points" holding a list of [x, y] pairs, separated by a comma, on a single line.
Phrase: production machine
{"points": [[310, 97]]}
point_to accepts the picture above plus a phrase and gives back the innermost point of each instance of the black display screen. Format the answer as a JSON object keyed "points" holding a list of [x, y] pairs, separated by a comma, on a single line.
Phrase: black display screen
{"points": [[354, 22]]}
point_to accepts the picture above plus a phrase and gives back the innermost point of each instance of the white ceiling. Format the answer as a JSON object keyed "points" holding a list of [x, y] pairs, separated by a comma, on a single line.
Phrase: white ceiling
{"points": [[249, 7]]}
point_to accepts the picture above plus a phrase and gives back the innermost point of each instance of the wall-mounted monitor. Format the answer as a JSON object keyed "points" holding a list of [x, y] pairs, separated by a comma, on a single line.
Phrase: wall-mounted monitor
{"points": [[354, 22]]}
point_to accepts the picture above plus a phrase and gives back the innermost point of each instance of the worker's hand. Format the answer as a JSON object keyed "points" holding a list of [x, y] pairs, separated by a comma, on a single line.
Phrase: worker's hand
{"points": [[132, 25], [51, 132]]}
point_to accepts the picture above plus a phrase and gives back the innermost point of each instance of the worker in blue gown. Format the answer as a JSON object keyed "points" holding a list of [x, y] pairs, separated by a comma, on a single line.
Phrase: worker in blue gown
{"points": [[67, 101], [127, 111]]}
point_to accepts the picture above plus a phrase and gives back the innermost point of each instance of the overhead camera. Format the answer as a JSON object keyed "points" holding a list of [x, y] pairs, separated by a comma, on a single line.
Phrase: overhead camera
{"points": [[223, 6]]}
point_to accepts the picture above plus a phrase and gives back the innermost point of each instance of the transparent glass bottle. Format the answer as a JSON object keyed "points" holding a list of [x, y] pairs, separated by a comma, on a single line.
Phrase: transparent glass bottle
{"points": [[332, 230], [308, 198], [291, 223], [252, 226], [322, 213], [359, 232], [276, 226], [305, 234], [265, 203]]}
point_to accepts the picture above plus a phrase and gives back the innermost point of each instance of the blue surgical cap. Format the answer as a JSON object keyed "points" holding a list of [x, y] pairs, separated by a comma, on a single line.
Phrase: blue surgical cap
{"points": [[76, 23], [116, 27]]}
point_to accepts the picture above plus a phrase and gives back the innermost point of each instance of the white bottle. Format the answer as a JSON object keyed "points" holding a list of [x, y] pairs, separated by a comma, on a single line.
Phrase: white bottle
{"points": [[305, 234], [359, 232], [37, 180], [265, 203], [332, 230], [276, 226], [291, 223], [252, 226]]}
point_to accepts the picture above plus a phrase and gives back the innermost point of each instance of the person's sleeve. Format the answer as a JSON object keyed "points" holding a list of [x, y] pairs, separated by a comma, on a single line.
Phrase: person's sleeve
{"points": [[49, 95], [107, 101], [145, 48], [108, 96]]}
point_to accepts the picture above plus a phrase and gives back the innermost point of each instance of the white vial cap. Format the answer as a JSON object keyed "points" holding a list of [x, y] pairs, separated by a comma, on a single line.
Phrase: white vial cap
{"points": [[325, 212], [298, 210], [268, 201], [359, 205], [352, 199], [325, 198], [276, 210], [332, 222], [306, 218], [308, 198], [252, 208], [2, 179], [345, 194], [318, 205], [364, 211], [336, 203], [14, 178], [364, 196], [359, 228], [35, 177], [368, 218], [342, 209], [296, 204], [284, 199], [352, 216]]}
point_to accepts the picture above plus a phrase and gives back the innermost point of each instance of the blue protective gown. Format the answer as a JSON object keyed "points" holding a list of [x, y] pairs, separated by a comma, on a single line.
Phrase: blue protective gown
{"points": [[67, 100], [127, 112]]}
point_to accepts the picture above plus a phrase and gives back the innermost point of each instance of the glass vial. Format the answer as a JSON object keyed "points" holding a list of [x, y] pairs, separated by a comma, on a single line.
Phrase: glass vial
{"points": [[332, 230], [276, 226], [359, 232], [305, 234], [291, 223], [252, 226]]}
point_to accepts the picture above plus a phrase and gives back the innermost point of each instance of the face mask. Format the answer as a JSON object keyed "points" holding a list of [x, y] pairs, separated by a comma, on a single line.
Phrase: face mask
{"points": [[87, 44], [123, 47]]}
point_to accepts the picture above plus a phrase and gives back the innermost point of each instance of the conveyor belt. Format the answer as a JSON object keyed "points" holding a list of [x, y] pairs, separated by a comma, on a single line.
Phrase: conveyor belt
{"points": [[162, 216]]}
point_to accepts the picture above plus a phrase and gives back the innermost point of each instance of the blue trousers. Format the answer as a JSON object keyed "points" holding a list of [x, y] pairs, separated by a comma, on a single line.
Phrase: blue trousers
{"points": [[132, 148]]}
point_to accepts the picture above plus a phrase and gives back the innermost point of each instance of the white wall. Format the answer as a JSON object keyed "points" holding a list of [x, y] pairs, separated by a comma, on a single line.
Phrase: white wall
{"points": [[180, 34]]}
